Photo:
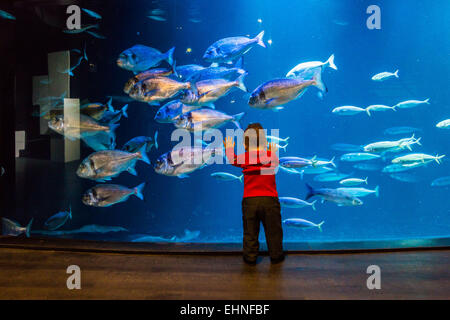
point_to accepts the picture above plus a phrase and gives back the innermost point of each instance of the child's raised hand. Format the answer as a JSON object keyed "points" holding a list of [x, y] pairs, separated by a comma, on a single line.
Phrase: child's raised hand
{"points": [[228, 142], [273, 147]]}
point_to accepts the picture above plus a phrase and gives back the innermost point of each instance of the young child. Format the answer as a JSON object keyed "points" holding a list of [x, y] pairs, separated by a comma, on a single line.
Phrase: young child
{"points": [[260, 202]]}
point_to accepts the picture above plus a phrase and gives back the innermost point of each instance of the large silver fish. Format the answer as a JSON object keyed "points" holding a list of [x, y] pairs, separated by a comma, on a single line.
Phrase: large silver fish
{"points": [[104, 165], [106, 195], [75, 128], [170, 112], [208, 91], [181, 161], [154, 90], [229, 49], [340, 197], [152, 73], [13, 228], [205, 119], [275, 93], [140, 58], [306, 69]]}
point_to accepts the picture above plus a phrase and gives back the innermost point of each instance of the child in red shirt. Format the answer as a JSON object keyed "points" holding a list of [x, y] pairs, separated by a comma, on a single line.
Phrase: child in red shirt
{"points": [[260, 202]]}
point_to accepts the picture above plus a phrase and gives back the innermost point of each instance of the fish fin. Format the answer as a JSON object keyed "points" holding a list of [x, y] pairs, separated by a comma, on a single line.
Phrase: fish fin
{"points": [[237, 118], [124, 111], [138, 191], [143, 155], [149, 93], [318, 81], [310, 191], [28, 229], [84, 53], [169, 56], [156, 139], [132, 171], [377, 191], [240, 82], [365, 180], [284, 147], [276, 109], [183, 176], [210, 105], [368, 111], [241, 177], [313, 205], [109, 104], [396, 73], [239, 63], [259, 39], [70, 212], [174, 69], [320, 226], [427, 101], [314, 161], [332, 162], [330, 62]]}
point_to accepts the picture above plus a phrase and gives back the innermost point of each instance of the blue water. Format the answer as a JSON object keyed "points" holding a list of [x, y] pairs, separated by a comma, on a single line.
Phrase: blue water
{"points": [[413, 38]]}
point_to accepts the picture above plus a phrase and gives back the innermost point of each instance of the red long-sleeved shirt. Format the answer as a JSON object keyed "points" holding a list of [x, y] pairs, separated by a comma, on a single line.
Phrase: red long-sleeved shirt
{"points": [[259, 172]]}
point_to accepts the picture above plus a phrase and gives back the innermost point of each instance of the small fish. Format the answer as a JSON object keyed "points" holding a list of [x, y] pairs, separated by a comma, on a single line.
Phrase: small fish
{"points": [[401, 130], [301, 69], [404, 177], [302, 224], [289, 202], [294, 162], [417, 157], [104, 165], [277, 139], [229, 49], [321, 163], [225, 176], [58, 220], [411, 103], [331, 176], [359, 156], [347, 110], [385, 75], [157, 11], [140, 58], [135, 144], [444, 124], [172, 110], [195, 20], [205, 119], [92, 13], [106, 195], [441, 182], [378, 107], [71, 69], [13, 228], [157, 18], [353, 181], [112, 116], [82, 29], [346, 147], [360, 192], [2, 171], [6, 15]]}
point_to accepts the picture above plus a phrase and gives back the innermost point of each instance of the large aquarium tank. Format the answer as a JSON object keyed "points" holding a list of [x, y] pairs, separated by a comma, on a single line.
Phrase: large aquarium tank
{"points": [[353, 92]]}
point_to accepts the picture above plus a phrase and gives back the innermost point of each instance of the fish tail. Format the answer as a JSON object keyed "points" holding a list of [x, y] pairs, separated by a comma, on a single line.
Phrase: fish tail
{"points": [[330, 62], [393, 108], [174, 69], [70, 211], [156, 139], [259, 39], [301, 174], [418, 141], [313, 161], [143, 155], [138, 191], [320, 226], [284, 147], [427, 101], [124, 111], [365, 180], [240, 82], [317, 81], [169, 56], [28, 229], [237, 118], [377, 191], [368, 111], [438, 158], [313, 205], [109, 104], [332, 162], [286, 139], [396, 73], [310, 191], [241, 177]]}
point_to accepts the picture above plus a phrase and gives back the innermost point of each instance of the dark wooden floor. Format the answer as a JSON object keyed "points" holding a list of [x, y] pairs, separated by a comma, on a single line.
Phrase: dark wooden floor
{"points": [[37, 274]]}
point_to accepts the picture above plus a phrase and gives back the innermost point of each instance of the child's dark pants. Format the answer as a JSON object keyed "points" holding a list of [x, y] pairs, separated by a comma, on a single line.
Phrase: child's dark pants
{"points": [[266, 210]]}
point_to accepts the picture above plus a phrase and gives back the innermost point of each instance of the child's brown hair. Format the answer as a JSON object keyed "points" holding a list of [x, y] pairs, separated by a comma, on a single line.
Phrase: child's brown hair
{"points": [[257, 129]]}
